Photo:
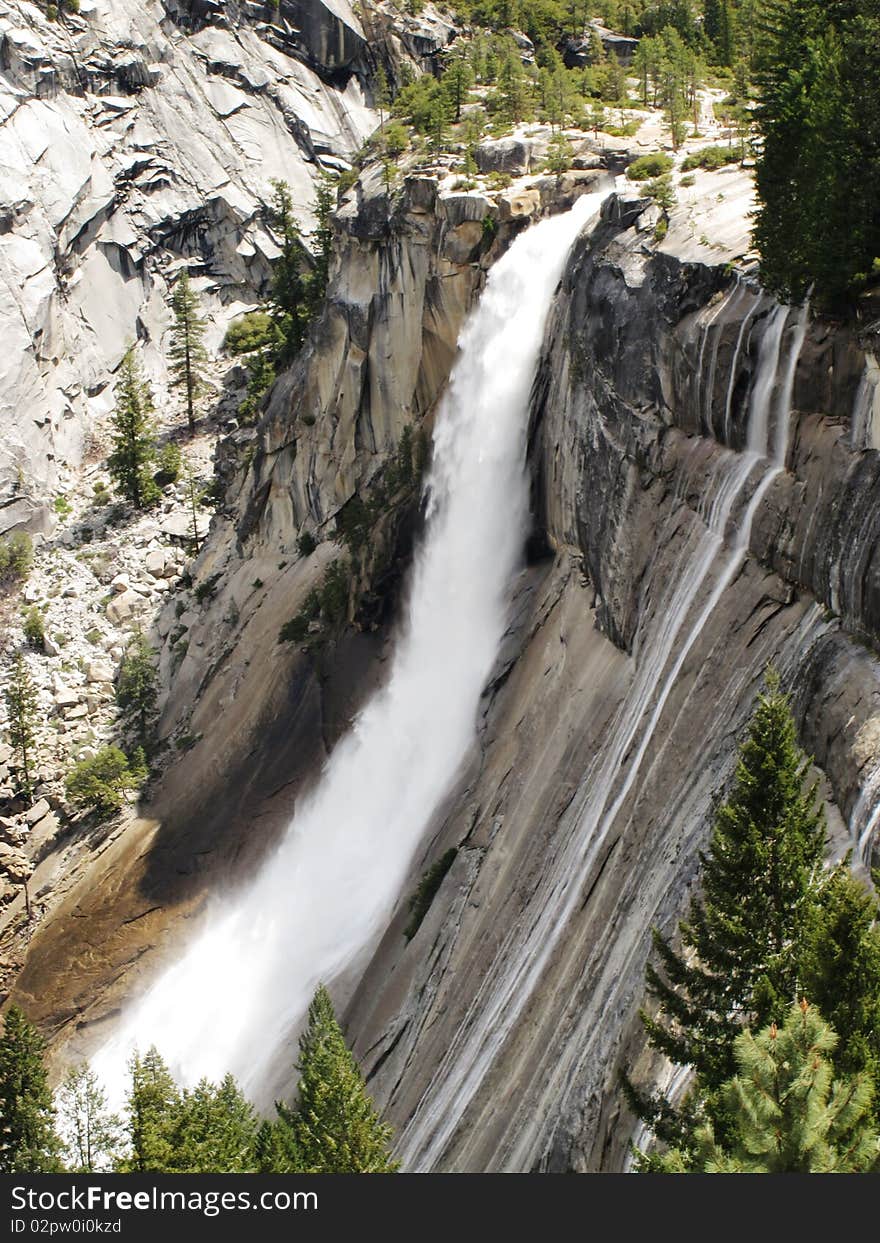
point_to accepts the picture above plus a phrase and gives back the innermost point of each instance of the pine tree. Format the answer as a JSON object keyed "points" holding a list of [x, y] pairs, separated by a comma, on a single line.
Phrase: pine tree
{"points": [[92, 1135], [787, 1117], [152, 1106], [738, 962], [28, 1142], [456, 83], [840, 970], [136, 689], [21, 710], [817, 223], [381, 93], [336, 1127], [276, 1150], [512, 91], [134, 439], [194, 496], [215, 1130], [188, 353], [289, 297], [325, 198]]}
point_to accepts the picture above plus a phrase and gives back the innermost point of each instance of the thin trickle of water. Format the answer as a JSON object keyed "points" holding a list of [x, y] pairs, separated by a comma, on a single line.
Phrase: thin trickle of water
{"points": [[671, 1085], [732, 299], [865, 432], [523, 956], [734, 366], [865, 818], [233, 998], [704, 340], [766, 378]]}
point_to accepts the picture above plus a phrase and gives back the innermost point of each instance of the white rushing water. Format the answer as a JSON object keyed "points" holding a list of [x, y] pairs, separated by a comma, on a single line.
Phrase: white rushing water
{"points": [[241, 986], [661, 651]]}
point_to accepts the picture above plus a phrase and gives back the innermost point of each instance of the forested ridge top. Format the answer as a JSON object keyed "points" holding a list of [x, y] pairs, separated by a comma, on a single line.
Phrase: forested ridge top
{"points": [[802, 74]]}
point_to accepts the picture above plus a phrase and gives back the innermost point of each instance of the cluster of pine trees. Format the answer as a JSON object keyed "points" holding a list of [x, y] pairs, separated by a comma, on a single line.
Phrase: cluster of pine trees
{"points": [[772, 998], [211, 1128], [269, 340], [818, 226]]}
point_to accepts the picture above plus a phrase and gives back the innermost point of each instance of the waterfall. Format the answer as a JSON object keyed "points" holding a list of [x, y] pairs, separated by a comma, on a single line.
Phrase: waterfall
{"points": [[526, 952], [233, 999], [865, 418]]}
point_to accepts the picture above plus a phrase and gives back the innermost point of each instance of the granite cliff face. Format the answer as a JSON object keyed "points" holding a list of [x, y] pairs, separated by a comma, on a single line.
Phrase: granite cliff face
{"points": [[694, 533], [254, 718], [139, 138], [705, 478]]}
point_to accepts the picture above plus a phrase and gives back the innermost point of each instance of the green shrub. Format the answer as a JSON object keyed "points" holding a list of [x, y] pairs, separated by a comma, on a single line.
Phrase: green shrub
{"points": [[101, 493], [34, 627], [101, 783], [296, 630], [347, 179], [254, 331], [208, 589], [396, 138], [334, 592], [661, 228], [559, 155], [424, 895], [646, 166], [169, 463], [329, 603], [687, 182], [628, 130], [354, 523], [16, 558], [660, 189], [710, 158], [306, 544], [62, 506]]}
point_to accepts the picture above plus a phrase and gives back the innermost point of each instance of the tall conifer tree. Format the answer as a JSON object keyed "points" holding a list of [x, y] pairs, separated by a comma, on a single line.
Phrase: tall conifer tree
{"points": [[28, 1141], [738, 963], [92, 1134], [151, 1108], [134, 438], [188, 353], [21, 711], [336, 1126]]}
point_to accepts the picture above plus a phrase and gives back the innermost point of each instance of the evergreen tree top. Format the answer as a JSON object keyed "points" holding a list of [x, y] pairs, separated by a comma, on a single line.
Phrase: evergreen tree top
{"points": [[336, 1125]]}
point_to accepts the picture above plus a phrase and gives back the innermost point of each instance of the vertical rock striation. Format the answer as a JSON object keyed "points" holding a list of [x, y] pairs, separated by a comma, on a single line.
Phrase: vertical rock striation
{"points": [[705, 512]]}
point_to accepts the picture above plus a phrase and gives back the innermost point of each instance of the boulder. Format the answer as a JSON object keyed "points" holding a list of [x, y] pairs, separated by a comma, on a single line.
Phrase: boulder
{"points": [[99, 671], [122, 606], [37, 812], [515, 156], [156, 562], [14, 863], [525, 45]]}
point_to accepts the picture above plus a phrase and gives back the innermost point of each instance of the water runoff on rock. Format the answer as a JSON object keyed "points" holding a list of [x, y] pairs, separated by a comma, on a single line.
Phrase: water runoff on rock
{"points": [[238, 990], [740, 483]]}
